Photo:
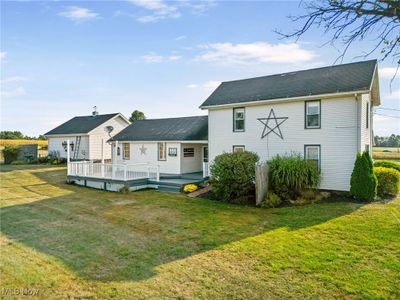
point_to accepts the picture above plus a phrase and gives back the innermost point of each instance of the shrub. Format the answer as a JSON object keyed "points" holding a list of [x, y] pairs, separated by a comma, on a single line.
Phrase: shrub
{"points": [[18, 162], [189, 188], [291, 174], [124, 190], [233, 176], [387, 164], [10, 153], [363, 183], [271, 200], [388, 181]]}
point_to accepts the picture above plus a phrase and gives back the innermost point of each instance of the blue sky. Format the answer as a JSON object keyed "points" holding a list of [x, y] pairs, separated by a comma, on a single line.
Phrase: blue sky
{"points": [[61, 58]]}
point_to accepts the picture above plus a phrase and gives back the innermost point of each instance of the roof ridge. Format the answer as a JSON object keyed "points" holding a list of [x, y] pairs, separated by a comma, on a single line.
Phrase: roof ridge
{"points": [[303, 70], [173, 118]]}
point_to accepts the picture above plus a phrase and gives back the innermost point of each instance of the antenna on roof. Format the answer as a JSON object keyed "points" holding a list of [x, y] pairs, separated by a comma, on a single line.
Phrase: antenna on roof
{"points": [[95, 112], [108, 129]]}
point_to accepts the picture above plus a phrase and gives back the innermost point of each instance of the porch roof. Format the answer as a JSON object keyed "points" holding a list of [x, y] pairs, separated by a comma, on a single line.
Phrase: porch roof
{"points": [[171, 129]]}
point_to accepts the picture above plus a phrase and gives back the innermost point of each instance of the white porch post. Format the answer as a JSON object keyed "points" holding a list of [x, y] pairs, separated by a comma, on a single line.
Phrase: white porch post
{"points": [[102, 159], [68, 158], [158, 173], [124, 172], [114, 162]]}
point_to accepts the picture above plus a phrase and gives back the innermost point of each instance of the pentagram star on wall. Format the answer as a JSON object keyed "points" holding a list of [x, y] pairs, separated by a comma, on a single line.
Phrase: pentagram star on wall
{"points": [[275, 127], [143, 150]]}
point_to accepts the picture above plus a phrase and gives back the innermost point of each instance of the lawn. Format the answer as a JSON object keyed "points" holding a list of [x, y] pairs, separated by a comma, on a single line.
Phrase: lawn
{"points": [[80, 243]]}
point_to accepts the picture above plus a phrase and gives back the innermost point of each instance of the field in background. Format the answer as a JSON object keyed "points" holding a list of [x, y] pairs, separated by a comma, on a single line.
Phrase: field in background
{"points": [[41, 143], [394, 154], [42, 146]]}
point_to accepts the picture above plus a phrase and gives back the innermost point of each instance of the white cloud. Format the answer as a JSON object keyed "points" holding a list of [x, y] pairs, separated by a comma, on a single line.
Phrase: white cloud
{"points": [[13, 93], [198, 7], [254, 53], [160, 10], [2, 55], [387, 72], [14, 79], [181, 37], [208, 86], [78, 14], [156, 58]]}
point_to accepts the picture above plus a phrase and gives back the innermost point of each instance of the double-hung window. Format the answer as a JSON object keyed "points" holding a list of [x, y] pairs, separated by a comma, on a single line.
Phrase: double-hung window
{"points": [[313, 154], [313, 114], [238, 119], [162, 151], [126, 153]]}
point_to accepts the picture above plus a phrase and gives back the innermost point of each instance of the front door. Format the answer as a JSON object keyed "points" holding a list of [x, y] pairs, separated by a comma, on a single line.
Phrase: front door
{"points": [[205, 153]]}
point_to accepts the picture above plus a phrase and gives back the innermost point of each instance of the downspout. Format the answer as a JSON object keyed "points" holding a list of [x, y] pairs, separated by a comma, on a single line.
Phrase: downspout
{"points": [[358, 135]]}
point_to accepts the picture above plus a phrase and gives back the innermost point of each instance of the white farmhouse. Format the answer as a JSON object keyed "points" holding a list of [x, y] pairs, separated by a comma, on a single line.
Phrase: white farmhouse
{"points": [[324, 114], [87, 135]]}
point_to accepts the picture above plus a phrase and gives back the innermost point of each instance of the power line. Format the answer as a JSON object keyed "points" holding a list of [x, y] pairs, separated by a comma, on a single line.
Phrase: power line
{"points": [[387, 115], [388, 108]]}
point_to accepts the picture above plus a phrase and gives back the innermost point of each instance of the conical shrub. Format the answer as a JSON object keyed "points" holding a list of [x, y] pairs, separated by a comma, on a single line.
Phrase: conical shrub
{"points": [[363, 183]]}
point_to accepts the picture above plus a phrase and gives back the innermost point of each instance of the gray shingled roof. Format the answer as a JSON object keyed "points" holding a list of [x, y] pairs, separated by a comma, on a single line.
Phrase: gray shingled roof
{"points": [[334, 79], [83, 124], [172, 129]]}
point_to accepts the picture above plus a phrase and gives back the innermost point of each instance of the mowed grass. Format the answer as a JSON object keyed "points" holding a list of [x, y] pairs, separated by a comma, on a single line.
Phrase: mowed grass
{"points": [[74, 242]]}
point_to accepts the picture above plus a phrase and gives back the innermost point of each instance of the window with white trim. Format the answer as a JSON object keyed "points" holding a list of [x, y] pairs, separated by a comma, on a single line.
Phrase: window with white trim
{"points": [[238, 148], [126, 153], [238, 119], [313, 154], [313, 114], [162, 151]]}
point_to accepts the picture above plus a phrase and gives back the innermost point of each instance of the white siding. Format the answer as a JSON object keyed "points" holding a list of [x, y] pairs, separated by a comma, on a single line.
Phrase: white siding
{"points": [[98, 134], [365, 133], [55, 144], [337, 135], [195, 163], [171, 165]]}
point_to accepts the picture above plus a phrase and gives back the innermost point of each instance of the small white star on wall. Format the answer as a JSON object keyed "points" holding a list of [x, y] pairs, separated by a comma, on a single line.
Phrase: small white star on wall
{"points": [[143, 150]]}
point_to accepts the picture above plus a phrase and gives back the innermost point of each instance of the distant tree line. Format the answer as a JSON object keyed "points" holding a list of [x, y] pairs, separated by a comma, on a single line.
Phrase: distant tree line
{"points": [[18, 135], [384, 141]]}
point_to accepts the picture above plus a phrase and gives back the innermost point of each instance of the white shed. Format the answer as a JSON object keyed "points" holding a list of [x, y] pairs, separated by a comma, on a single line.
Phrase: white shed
{"points": [[86, 135]]}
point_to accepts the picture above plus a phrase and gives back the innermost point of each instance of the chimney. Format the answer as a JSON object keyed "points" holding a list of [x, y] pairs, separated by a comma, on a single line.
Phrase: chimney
{"points": [[95, 112]]}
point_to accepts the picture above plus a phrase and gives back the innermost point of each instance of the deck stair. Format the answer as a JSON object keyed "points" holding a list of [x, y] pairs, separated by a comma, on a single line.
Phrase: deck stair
{"points": [[175, 183]]}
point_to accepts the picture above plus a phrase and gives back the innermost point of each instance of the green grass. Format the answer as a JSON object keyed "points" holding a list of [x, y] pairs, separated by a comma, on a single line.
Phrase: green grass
{"points": [[72, 242]]}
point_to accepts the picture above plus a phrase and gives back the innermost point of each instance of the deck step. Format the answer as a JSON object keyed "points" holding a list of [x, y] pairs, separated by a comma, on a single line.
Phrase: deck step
{"points": [[169, 188]]}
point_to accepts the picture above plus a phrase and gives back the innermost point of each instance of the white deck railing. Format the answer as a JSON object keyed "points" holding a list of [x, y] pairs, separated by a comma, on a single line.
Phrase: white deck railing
{"points": [[114, 171], [206, 169]]}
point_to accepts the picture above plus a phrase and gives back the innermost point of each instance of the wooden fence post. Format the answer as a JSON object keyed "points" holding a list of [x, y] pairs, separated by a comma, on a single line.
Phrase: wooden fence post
{"points": [[261, 182]]}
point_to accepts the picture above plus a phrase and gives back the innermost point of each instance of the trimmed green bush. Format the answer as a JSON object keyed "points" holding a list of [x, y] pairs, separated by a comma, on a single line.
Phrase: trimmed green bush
{"points": [[388, 181], [18, 162], [233, 176], [10, 153], [271, 200], [363, 183], [387, 164], [289, 175]]}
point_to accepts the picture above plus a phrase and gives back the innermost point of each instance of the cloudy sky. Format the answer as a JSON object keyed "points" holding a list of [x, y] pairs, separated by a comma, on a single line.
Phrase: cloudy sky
{"points": [[61, 58]]}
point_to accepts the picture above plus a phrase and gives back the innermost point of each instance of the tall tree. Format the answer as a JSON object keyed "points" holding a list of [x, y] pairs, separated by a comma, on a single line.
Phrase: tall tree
{"points": [[349, 20], [11, 135], [137, 115]]}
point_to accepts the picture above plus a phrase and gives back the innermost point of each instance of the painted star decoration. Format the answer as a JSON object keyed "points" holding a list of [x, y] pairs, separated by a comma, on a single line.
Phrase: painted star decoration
{"points": [[276, 122], [143, 150]]}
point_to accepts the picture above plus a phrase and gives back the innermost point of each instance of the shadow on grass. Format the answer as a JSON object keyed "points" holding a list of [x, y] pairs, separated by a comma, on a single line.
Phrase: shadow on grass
{"points": [[109, 236]]}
